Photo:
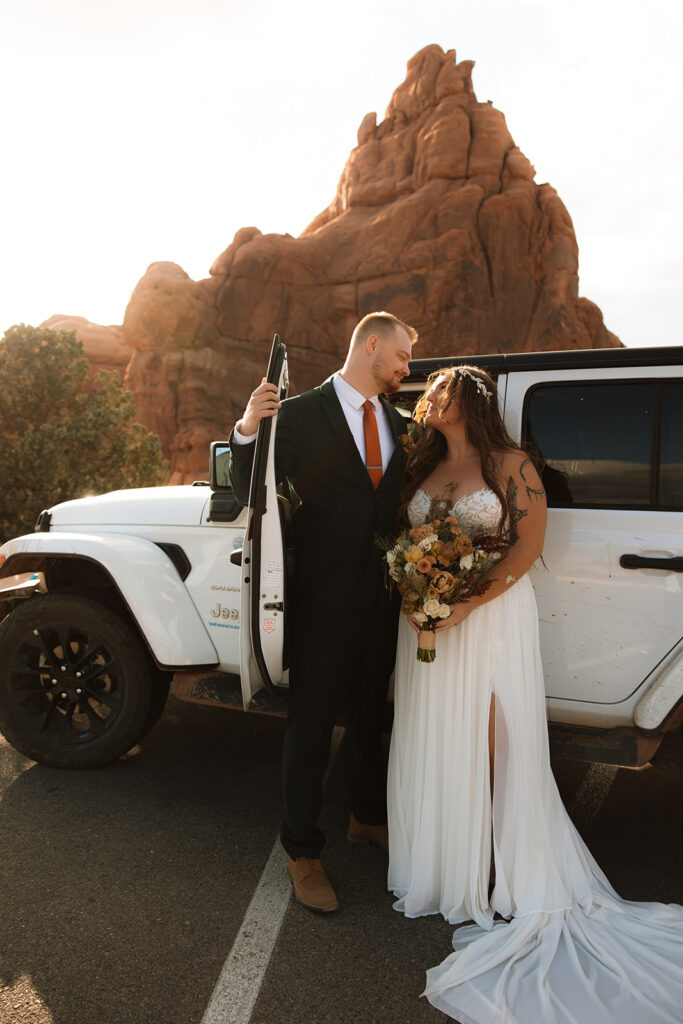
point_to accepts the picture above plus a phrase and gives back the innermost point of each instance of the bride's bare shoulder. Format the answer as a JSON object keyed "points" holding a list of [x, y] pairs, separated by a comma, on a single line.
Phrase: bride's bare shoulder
{"points": [[515, 466], [520, 479], [511, 461]]}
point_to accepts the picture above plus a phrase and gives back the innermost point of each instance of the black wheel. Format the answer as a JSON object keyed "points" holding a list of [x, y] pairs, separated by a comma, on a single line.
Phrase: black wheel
{"points": [[76, 684]]}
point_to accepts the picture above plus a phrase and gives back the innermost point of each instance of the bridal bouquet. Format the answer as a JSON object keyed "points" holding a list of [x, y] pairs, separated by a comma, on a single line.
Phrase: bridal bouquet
{"points": [[436, 565]]}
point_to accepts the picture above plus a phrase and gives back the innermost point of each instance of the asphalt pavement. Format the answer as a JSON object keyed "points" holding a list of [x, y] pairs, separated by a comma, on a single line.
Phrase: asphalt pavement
{"points": [[129, 892]]}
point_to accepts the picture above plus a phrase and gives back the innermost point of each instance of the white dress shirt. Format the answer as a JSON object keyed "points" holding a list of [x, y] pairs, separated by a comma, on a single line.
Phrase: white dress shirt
{"points": [[351, 402]]}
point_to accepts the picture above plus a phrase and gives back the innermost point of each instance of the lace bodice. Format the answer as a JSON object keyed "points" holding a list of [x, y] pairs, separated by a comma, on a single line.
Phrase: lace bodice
{"points": [[478, 512]]}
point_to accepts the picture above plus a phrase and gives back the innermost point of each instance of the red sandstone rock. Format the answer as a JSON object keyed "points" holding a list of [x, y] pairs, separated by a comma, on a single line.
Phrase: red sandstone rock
{"points": [[165, 304], [437, 218], [104, 347]]}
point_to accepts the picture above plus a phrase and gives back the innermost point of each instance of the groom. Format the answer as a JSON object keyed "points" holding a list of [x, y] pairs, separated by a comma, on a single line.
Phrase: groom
{"points": [[337, 445]]}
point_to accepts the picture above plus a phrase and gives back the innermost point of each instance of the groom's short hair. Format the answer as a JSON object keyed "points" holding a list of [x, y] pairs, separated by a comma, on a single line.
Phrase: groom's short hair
{"points": [[382, 324]]}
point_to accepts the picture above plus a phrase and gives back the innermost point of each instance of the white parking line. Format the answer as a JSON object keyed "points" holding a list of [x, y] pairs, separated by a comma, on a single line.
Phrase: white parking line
{"points": [[240, 980], [591, 794], [243, 972]]}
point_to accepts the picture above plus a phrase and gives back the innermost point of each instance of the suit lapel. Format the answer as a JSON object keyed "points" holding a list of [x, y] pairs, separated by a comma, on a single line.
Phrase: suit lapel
{"points": [[398, 428], [397, 423], [335, 415]]}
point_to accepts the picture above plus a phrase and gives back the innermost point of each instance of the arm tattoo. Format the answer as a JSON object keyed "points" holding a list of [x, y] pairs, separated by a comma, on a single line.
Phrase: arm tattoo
{"points": [[531, 492], [516, 513]]}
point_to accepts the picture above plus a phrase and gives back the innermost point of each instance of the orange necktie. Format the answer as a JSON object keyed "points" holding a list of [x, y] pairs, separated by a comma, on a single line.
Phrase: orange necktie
{"points": [[373, 452]]}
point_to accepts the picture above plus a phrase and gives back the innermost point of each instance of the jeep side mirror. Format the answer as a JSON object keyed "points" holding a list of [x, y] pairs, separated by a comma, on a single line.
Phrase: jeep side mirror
{"points": [[219, 465], [224, 506]]}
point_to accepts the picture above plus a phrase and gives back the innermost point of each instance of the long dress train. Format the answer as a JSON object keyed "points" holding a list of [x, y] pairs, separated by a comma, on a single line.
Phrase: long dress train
{"points": [[572, 952]]}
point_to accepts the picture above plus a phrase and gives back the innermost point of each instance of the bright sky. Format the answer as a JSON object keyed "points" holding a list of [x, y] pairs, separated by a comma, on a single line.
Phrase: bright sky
{"points": [[142, 130]]}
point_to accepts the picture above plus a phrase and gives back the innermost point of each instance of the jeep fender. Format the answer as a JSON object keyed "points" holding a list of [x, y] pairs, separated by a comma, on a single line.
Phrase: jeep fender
{"points": [[146, 579], [664, 691]]}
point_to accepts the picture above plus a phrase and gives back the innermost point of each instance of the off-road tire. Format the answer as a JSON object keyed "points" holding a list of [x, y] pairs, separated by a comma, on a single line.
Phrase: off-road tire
{"points": [[77, 687]]}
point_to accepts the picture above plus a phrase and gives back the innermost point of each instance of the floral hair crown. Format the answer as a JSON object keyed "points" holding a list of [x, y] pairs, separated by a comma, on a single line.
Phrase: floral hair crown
{"points": [[481, 387]]}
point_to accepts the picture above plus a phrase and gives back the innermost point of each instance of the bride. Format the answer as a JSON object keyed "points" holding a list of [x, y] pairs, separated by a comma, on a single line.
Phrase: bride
{"points": [[477, 829]]}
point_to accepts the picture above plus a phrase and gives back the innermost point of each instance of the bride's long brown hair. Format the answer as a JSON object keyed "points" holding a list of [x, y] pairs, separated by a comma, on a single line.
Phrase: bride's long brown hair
{"points": [[484, 429]]}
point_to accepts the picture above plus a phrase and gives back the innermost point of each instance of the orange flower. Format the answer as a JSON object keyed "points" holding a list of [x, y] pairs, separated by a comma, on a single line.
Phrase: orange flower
{"points": [[464, 545], [425, 564], [442, 582]]}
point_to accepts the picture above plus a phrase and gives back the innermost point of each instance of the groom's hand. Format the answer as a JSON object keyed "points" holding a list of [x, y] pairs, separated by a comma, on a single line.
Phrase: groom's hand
{"points": [[264, 402]]}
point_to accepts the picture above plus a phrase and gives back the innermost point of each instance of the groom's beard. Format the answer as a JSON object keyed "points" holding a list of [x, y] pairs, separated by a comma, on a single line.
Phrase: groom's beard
{"points": [[387, 380]]}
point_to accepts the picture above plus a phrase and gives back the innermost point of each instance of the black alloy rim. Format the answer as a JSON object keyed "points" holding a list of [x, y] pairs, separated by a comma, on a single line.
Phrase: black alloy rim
{"points": [[66, 685]]}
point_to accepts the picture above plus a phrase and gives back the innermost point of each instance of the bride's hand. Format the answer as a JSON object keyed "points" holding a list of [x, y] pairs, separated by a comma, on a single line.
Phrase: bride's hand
{"points": [[417, 626], [459, 613]]}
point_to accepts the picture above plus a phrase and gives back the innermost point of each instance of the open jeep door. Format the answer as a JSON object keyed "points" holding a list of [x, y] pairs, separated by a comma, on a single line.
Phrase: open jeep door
{"points": [[262, 612]]}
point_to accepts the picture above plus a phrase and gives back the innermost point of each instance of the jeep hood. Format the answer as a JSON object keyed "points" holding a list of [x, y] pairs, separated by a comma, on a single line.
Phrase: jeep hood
{"points": [[139, 506]]}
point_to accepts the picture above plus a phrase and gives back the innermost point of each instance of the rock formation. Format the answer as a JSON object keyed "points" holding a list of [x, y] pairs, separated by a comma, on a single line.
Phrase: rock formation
{"points": [[104, 347], [437, 218]]}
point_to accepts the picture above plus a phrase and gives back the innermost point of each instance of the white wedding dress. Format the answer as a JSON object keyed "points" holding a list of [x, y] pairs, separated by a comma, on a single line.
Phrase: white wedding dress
{"points": [[572, 952]]}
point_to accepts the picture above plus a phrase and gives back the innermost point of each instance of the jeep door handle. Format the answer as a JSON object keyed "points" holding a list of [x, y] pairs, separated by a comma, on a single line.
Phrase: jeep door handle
{"points": [[672, 564]]}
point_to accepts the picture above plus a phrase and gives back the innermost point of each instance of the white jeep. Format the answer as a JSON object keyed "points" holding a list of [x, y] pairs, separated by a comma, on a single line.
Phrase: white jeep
{"points": [[116, 595]]}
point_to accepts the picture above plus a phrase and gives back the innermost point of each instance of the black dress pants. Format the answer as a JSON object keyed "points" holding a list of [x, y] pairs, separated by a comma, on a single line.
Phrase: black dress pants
{"points": [[338, 658]]}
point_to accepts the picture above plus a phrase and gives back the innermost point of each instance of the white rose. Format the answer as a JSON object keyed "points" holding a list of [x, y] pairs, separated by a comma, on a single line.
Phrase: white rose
{"points": [[444, 611], [431, 607], [419, 616], [466, 562]]}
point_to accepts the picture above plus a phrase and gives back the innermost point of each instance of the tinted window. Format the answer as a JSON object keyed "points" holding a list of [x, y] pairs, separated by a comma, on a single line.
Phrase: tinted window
{"points": [[597, 440], [671, 467]]}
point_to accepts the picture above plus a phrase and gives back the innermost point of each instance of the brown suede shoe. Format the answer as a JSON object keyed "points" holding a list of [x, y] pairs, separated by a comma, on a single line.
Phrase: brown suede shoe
{"points": [[360, 833], [311, 885]]}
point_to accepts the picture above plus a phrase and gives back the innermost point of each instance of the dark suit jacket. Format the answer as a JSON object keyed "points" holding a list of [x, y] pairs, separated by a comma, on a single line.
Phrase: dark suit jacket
{"points": [[334, 528]]}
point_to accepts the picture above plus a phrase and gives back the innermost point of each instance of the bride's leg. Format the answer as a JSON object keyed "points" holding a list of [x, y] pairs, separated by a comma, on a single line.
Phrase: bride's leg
{"points": [[492, 738], [492, 752]]}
